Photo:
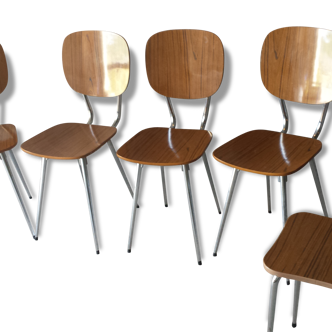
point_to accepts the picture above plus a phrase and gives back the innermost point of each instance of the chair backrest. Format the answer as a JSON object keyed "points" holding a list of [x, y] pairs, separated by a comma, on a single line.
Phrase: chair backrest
{"points": [[96, 63], [296, 64], [186, 64], [3, 70]]}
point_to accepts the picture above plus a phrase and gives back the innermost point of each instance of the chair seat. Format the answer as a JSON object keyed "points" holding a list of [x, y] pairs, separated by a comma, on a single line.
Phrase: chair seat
{"points": [[165, 146], [8, 137], [268, 152], [303, 250], [68, 141]]}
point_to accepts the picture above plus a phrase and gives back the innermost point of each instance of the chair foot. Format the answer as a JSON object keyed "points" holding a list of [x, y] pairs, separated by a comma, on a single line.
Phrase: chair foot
{"points": [[200, 263], [137, 206], [30, 197], [35, 237], [97, 252], [270, 212], [294, 325], [129, 252], [214, 255], [166, 205], [288, 282]]}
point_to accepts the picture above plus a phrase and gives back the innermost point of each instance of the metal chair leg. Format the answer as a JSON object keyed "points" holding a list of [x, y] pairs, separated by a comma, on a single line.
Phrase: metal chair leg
{"points": [[89, 199], [268, 187], [297, 287], [41, 195], [17, 192], [208, 171], [19, 172], [162, 169], [192, 212], [273, 301], [133, 211], [226, 207], [318, 185]]}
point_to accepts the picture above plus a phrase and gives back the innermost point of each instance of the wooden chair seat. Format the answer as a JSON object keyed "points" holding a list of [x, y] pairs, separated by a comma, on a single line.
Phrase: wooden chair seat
{"points": [[8, 137], [303, 250], [268, 152], [68, 141], [165, 146]]}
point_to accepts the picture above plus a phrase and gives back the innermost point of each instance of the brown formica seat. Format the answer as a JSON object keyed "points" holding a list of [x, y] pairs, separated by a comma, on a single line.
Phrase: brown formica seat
{"points": [[96, 64], [8, 140], [183, 64]]}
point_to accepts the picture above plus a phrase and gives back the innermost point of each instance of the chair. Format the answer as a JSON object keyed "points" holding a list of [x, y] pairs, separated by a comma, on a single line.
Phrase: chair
{"points": [[95, 64], [296, 65], [8, 140], [186, 64], [302, 252]]}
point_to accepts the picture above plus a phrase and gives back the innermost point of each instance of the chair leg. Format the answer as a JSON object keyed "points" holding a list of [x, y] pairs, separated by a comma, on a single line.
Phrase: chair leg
{"points": [[17, 192], [226, 207], [41, 195], [80, 166], [318, 186], [192, 212], [19, 172], [133, 211], [89, 199], [208, 171], [268, 187], [273, 301], [162, 169], [297, 287]]}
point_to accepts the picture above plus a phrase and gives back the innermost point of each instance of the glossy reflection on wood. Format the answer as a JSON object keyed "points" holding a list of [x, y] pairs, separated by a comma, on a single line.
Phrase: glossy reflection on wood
{"points": [[68, 141], [165, 146], [303, 250], [3, 70], [268, 152], [8, 137], [296, 64], [187, 64], [96, 63]]}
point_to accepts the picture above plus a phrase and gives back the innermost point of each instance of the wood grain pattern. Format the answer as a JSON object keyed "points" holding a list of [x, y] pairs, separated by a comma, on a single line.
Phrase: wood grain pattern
{"points": [[68, 141], [8, 137], [3, 70], [268, 152], [187, 64], [303, 250], [165, 146], [96, 63], [296, 64]]}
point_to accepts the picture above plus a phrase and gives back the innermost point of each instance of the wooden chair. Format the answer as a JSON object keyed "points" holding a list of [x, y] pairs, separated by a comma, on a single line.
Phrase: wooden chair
{"points": [[8, 140], [186, 64], [302, 252], [95, 64], [296, 65]]}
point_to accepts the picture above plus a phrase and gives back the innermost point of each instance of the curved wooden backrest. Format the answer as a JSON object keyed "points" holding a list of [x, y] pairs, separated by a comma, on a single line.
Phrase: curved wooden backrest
{"points": [[187, 64], [296, 64], [3, 70], [96, 63]]}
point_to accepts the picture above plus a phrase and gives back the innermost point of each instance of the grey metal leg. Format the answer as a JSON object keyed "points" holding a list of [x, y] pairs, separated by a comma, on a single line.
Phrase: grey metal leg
{"points": [[272, 304], [133, 211], [79, 164], [192, 212], [208, 171], [268, 187], [89, 199], [17, 192], [41, 194], [19, 172], [318, 186], [162, 169], [297, 287], [226, 207]]}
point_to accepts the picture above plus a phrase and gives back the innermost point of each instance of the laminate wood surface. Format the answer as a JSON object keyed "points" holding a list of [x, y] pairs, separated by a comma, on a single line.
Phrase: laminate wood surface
{"points": [[96, 63], [3, 70], [303, 251], [68, 141], [187, 64], [268, 152], [8, 137], [165, 146], [296, 64]]}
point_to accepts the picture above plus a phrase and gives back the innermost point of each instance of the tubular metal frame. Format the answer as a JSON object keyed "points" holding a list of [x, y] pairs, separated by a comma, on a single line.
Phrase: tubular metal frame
{"points": [[272, 302]]}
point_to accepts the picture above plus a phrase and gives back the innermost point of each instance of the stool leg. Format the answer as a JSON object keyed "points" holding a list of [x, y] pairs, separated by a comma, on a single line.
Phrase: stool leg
{"points": [[133, 208], [268, 187], [163, 180], [270, 325], [297, 287]]}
